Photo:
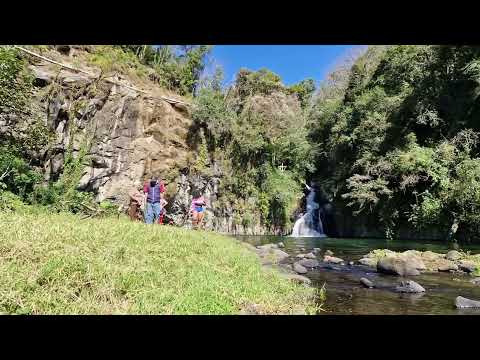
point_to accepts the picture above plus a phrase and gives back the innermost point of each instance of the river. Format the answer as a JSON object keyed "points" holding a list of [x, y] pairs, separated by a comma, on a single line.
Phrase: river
{"points": [[345, 295]]}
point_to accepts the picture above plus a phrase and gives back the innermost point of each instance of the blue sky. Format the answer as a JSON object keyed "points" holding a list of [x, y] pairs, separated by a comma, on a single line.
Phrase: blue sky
{"points": [[292, 62]]}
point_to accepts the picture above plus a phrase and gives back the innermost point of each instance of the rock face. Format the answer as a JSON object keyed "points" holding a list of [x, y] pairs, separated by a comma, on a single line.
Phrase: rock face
{"points": [[464, 303], [396, 266], [132, 136], [409, 286]]}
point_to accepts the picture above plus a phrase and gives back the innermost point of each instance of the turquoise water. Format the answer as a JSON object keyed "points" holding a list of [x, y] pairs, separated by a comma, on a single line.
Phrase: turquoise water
{"points": [[345, 295]]}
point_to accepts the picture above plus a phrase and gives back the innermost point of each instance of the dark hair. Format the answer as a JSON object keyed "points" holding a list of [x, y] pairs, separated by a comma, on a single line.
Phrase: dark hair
{"points": [[153, 182]]}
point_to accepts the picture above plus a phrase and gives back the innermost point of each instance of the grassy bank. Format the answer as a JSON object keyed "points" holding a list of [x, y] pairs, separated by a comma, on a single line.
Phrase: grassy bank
{"points": [[60, 264]]}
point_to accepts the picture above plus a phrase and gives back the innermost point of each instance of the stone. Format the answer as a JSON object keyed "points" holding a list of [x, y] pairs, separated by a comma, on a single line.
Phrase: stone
{"points": [[316, 250], [281, 245], [447, 265], [301, 256], [309, 263], [350, 263], [475, 281], [409, 286], [464, 303], [302, 249], [329, 253], [396, 266], [453, 255], [413, 260], [299, 269], [368, 262], [279, 254], [310, 256], [332, 259], [467, 266], [431, 256], [367, 283], [297, 278]]}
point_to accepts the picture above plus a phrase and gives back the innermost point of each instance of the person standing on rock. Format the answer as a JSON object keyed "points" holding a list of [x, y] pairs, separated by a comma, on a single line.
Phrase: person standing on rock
{"points": [[153, 191], [197, 209]]}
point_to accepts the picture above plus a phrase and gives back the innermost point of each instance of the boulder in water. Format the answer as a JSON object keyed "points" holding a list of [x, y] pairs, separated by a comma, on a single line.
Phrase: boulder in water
{"points": [[332, 259], [368, 262], [310, 256], [309, 263], [367, 283], [464, 303], [350, 263], [299, 269], [396, 266], [281, 245], [467, 266], [316, 250], [329, 253], [447, 265], [453, 255], [301, 256], [475, 281], [409, 286]]}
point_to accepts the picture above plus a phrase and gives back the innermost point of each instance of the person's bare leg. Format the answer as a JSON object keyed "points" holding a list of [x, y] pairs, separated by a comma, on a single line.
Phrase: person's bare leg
{"points": [[194, 220], [200, 220]]}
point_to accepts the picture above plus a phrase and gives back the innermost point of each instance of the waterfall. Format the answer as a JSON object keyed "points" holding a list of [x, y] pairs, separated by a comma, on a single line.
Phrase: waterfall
{"points": [[307, 225]]}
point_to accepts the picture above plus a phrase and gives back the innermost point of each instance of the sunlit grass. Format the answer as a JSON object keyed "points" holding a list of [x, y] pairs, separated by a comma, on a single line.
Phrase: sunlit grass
{"points": [[60, 264]]}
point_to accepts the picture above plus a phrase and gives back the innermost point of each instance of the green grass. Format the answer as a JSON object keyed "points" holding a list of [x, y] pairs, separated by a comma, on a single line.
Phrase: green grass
{"points": [[60, 264]]}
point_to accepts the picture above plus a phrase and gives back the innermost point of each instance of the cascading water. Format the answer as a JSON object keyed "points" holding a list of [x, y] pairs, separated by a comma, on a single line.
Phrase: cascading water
{"points": [[307, 225]]}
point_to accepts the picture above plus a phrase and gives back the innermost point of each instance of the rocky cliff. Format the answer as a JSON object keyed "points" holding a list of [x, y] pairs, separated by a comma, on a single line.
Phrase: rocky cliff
{"points": [[129, 136]]}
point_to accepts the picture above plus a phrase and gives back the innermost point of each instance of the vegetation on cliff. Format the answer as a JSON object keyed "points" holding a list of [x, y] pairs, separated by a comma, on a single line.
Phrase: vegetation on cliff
{"points": [[399, 142]]}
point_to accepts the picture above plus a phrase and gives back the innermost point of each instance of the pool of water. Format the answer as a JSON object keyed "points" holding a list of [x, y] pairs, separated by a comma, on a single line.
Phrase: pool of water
{"points": [[345, 295]]}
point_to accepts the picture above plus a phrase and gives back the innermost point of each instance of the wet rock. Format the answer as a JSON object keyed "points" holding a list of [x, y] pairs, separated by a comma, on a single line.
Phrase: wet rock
{"points": [[309, 263], [409, 286], [368, 262], [367, 283], [350, 263], [467, 266], [332, 267], [329, 253], [464, 303], [281, 245], [316, 250], [475, 281], [453, 255], [297, 278], [396, 266], [301, 256], [332, 259], [447, 265], [299, 269], [310, 256], [302, 249]]}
